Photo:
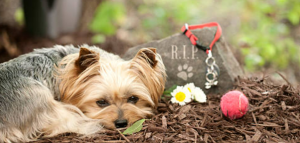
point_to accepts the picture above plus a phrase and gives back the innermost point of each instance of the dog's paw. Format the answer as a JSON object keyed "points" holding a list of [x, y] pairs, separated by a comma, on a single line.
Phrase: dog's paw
{"points": [[185, 72]]}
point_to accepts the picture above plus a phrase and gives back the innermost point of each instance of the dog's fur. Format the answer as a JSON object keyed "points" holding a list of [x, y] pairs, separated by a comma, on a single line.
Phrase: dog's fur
{"points": [[66, 89]]}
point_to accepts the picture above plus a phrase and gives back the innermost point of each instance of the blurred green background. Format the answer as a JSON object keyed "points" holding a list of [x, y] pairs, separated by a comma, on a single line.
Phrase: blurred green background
{"points": [[264, 31], [263, 35]]}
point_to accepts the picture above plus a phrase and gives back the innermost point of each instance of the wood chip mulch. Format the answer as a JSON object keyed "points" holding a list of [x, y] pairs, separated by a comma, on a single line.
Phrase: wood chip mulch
{"points": [[274, 116]]}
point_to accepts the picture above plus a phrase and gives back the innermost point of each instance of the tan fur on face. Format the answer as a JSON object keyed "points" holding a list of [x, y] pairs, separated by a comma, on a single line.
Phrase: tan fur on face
{"points": [[150, 69], [114, 81]]}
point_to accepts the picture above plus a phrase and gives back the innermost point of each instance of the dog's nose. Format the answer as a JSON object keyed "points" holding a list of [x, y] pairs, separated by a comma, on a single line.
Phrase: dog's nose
{"points": [[120, 123]]}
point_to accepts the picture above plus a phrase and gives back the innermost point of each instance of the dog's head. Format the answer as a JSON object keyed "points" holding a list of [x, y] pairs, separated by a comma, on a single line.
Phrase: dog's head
{"points": [[117, 92]]}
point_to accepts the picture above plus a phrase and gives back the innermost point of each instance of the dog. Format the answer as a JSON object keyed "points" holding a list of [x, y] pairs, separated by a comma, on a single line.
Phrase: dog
{"points": [[63, 89]]}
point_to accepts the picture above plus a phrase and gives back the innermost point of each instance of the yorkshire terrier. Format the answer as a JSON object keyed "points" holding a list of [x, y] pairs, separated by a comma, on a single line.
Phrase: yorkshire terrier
{"points": [[66, 89]]}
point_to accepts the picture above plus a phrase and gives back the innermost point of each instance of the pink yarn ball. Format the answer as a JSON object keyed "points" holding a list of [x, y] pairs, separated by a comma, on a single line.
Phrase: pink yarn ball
{"points": [[234, 104]]}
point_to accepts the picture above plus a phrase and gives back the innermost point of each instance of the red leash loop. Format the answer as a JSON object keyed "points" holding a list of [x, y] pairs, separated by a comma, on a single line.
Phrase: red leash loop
{"points": [[194, 40]]}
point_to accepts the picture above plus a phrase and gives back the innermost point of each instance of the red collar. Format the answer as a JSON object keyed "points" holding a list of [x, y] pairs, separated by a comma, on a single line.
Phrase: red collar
{"points": [[186, 30]]}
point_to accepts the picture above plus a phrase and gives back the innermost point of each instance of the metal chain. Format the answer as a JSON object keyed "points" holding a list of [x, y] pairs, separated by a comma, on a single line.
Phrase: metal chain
{"points": [[211, 73]]}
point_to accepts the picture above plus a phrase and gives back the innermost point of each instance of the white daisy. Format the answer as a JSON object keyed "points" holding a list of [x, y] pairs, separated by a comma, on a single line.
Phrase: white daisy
{"points": [[199, 95], [181, 95], [190, 87]]}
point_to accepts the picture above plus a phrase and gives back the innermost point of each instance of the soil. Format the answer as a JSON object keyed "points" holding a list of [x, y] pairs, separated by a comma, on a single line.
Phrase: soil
{"points": [[273, 116]]}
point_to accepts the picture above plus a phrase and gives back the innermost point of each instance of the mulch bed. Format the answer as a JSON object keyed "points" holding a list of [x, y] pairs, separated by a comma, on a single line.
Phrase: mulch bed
{"points": [[274, 116]]}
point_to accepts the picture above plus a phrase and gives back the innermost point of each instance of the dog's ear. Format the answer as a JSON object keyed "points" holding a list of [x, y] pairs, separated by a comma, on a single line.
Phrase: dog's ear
{"points": [[149, 67], [149, 55], [86, 58]]}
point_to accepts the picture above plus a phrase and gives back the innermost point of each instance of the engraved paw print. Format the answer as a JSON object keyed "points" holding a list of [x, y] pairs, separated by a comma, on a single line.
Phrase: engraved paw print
{"points": [[185, 72]]}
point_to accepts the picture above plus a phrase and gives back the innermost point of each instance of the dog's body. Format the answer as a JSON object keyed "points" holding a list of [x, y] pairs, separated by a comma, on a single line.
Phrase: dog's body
{"points": [[64, 89]]}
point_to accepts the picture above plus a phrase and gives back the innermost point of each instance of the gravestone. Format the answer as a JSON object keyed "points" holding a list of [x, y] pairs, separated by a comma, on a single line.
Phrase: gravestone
{"points": [[185, 63]]}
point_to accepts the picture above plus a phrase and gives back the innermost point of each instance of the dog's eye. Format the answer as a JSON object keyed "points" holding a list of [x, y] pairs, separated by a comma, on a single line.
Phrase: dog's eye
{"points": [[102, 103], [133, 99]]}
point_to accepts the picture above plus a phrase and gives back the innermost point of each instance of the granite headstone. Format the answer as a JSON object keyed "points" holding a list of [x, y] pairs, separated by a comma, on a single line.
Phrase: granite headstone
{"points": [[185, 63]]}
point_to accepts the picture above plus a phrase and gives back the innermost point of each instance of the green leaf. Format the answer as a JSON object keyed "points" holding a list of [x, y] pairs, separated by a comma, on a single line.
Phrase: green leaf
{"points": [[136, 127], [108, 16], [168, 91], [19, 16], [98, 38], [281, 2], [253, 60], [293, 18], [268, 51]]}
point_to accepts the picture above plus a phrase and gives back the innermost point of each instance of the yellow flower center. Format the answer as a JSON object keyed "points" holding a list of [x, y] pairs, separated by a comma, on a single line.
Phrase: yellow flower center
{"points": [[180, 96], [189, 89]]}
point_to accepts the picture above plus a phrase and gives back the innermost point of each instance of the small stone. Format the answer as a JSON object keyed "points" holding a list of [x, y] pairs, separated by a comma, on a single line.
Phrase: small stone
{"points": [[182, 116], [148, 135], [283, 106]]}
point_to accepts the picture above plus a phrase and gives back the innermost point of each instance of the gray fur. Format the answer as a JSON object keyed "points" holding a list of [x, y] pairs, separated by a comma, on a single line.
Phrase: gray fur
{"points": [[38, 65], [19, 76]]}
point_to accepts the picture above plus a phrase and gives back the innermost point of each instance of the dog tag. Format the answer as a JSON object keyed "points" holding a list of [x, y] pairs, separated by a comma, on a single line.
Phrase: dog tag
{"points": [[212, 72]]}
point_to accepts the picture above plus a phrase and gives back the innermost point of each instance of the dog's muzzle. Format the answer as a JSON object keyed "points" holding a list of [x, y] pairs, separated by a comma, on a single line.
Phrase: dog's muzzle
{"points": [[120, 123]]}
